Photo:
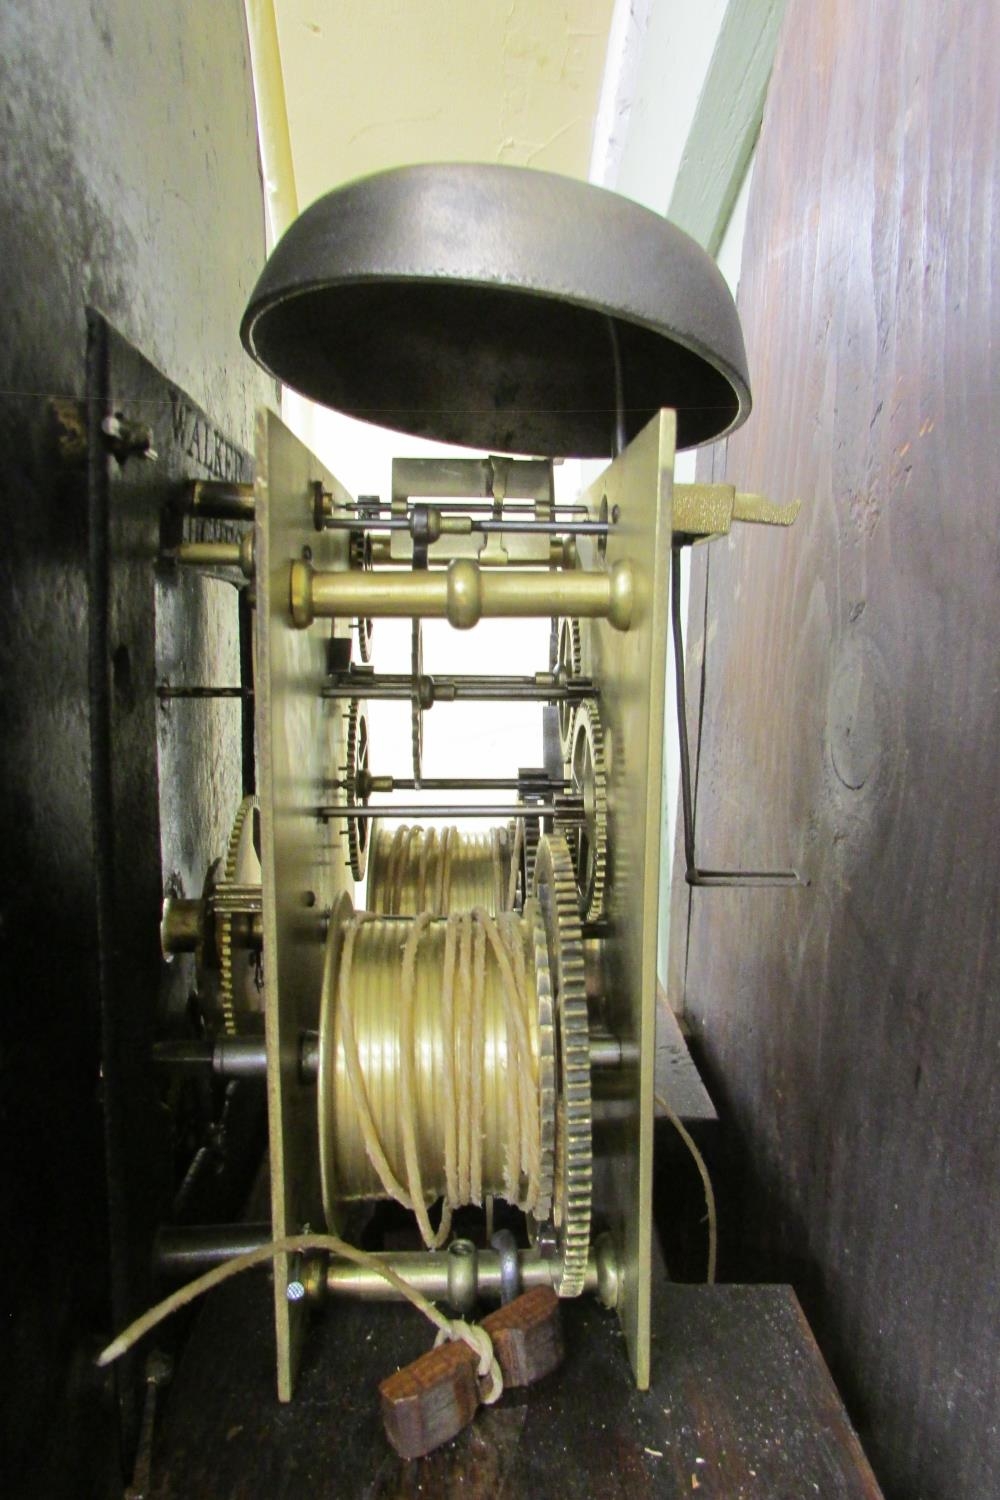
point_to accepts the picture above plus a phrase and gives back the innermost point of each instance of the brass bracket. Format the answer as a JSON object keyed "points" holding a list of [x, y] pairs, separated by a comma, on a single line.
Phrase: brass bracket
{"points": [[703, 511]]}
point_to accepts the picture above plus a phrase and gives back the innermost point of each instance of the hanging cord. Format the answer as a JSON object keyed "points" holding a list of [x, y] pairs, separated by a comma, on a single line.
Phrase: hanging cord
{"points": [[474, 969], [407, 1101], [424, 850], [497, 867], [449, 1329], [394, 870], [463, 997], [706, 1182], [355, 1073], [524, 1140], [450, 838]]}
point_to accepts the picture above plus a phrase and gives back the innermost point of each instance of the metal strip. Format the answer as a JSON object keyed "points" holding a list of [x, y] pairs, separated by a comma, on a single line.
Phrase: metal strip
{"points": [[628, 669], [304, 859]]}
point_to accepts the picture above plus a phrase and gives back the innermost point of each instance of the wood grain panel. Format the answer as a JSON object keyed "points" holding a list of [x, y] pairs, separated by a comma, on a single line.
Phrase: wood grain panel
{"points": [[851, 724]]}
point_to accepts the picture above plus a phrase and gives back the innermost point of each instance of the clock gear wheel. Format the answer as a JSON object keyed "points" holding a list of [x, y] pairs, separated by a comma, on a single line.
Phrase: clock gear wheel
{"points": [[532, 914], [358, 829], [236, 900], [569, 664], [361, 558], [556, 891], [531, 832], [588, 835]]}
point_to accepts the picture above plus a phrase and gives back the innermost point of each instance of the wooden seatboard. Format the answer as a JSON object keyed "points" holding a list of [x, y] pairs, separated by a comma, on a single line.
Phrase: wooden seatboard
{"points": [[742, 1407]]}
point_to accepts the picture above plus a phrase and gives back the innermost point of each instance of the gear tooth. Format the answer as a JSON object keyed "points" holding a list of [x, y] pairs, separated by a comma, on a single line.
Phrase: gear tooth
{"points": [[574, 626], [546, 1066], [227, 997], [532, 831], [574, 1151], [570, 659], [591, 881]]}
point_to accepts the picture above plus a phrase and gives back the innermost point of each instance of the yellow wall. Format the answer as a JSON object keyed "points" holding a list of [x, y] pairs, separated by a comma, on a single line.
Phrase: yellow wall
{"points": [[379, 83]]}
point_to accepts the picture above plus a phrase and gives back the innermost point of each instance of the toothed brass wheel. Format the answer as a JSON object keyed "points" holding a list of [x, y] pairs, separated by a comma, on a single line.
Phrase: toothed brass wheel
{"points": [[236, 901], [531, 832], [361, 558], [358, 829], [546, 1060], [555, 889], [588, 839], [569, 664]]}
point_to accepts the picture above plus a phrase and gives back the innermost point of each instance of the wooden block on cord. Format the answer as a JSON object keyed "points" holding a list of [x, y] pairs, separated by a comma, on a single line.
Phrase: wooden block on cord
{"points": [[527, 1336], [428, 1402]]}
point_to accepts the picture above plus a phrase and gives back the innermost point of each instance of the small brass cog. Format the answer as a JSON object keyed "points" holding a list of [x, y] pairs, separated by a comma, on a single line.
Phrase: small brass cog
{"points": [[569, 664], [236, 896], [361, 558], [358, 829], [532, 828]]}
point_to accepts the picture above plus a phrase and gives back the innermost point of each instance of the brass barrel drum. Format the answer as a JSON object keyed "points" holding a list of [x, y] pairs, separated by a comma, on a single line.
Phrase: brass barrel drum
{"points": [[465, 1058], [454, 1062], [413, 869]]}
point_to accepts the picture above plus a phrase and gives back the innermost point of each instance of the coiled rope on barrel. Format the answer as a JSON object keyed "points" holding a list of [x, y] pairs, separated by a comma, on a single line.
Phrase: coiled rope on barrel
{"points": [[468, 936]]}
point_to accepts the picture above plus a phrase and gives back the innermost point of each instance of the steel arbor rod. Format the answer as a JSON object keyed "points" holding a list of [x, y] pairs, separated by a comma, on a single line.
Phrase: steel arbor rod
{"points": [[460, 689], [453, 810]]}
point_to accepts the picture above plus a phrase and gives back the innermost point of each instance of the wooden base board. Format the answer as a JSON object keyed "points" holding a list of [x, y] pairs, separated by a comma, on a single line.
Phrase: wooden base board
{"points": [[741, 1407]]}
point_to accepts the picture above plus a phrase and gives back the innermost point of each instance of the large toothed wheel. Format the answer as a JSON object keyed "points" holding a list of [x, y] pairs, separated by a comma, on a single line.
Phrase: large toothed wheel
{"points": [[555, 889], [545, 987]]}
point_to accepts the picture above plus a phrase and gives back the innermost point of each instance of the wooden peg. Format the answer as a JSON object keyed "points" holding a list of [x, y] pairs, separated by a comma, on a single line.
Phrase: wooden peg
{"points": [[428, 1402], [527, 1336]]}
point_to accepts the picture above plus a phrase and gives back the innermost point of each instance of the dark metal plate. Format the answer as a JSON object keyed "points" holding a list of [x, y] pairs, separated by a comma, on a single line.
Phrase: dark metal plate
{"points": [[166, 781], [481, 304]]}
